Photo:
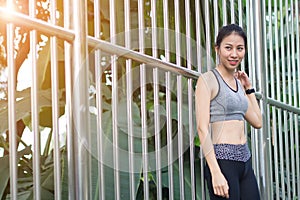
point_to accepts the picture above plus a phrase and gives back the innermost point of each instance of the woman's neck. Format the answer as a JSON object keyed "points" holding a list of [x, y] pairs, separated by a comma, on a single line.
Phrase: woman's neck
{"points": [[226, 73]]}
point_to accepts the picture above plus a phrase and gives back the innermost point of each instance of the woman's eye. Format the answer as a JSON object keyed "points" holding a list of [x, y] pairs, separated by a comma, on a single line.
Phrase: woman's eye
{"points": [[240, 48], [228, 48]]}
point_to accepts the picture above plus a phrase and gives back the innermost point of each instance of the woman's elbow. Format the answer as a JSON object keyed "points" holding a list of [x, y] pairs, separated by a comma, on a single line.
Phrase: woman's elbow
{"points": [[202, 132], [255, 120], [258, 123]]}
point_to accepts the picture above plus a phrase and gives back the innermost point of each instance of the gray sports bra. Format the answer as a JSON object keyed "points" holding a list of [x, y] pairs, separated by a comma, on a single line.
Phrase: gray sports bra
{"points": [[228, 103]]}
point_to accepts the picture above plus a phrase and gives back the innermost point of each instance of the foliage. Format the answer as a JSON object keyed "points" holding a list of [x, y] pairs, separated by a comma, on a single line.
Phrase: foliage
{"points": [[22, 49]]}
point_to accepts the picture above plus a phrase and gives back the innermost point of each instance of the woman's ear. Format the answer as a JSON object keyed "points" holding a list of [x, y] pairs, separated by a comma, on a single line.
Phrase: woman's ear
{"points": [[217, 49]]}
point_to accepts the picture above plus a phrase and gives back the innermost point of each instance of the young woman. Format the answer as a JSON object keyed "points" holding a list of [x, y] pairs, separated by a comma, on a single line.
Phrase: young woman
{"points": [[224, 99]]}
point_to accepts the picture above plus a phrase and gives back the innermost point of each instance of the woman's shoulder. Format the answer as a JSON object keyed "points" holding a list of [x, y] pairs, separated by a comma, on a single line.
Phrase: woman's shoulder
{"points": [[208, 80], [208, 77]]}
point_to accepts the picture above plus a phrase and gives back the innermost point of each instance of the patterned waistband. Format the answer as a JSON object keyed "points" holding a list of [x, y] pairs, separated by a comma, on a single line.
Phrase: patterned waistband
{"points": [[235, 152]]}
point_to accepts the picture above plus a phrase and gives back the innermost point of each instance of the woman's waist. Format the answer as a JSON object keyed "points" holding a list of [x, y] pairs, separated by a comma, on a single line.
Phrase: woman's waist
{"points": [[229, 132]]}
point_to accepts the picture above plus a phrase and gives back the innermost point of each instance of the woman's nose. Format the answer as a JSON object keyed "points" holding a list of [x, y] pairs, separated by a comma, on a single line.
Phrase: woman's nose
{"points": [[234, 53]]}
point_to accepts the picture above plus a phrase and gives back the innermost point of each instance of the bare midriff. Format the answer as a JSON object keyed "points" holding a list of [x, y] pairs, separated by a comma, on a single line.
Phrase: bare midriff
{"points": [[228, 132]]}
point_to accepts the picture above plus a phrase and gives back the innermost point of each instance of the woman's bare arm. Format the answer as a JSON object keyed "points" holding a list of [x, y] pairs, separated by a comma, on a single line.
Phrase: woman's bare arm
{"points": [[202, 101], [253, 114]]}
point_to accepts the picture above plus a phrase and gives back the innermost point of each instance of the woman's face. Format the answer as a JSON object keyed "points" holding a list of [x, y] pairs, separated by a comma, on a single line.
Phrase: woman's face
{"points": [[231, 51]]}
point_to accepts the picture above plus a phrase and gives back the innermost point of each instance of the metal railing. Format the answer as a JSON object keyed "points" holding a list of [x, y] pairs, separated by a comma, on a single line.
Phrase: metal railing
{"points": [[129, 71]]}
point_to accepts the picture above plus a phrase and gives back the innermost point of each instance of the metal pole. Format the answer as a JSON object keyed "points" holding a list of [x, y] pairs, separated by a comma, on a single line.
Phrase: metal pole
{"points": [[55, 107], [81, 101], [35, 108], [297, 103], [69, 111], [259, 62], [98, 80], [31, 23], [12, 108]]}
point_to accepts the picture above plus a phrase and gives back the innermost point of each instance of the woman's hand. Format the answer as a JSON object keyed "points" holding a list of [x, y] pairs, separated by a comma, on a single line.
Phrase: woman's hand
{"points": [[220, 185], [244, 79]]}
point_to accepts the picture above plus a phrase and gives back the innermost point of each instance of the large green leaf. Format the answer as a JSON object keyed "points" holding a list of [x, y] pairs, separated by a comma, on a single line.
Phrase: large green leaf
{"points": [[4, 168], [28, 195], [186, 177], [23, 105], [46, 178]]}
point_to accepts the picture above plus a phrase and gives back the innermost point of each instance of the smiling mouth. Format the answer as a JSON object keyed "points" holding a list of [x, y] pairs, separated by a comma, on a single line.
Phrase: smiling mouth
{"points": [[233, 62]]}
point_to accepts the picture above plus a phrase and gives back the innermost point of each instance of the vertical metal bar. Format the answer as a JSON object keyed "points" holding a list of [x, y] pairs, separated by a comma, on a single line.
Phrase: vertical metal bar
{"points": [[259, 58], [292, 154], [55, 107], [294, 116], [271, 58], [166, 29], [130, 128], [283, 78], [288, 54], [114, 72], [144, 131], [178, 62], [216, 25], [69, 103], [169, 135], [281, 158], [199, 69], [191, 138], [177, 32], [190, 100], [35, 108], [271, 79], [198, 36], [277, 56], [12, 107], [98, 78], [143, 99], [240, 22], [129, 99], [188, 34], [154, 28], [251, 61], [298, 102], [275, 144], [224, 8], [168, 99], [208, 64], [157, 133], [156, 103], [293, 122], [232, 14], [295, 166], [250, 23], [249, 33], [115, 126], [180, 135], [240, 10], [289, 99], [208, 37], [266, 138], [277, 66], [216, 17], [80, 78]]}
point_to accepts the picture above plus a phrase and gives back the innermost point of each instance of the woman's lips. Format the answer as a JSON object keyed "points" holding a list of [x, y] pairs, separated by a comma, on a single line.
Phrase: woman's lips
{"points": [[233, 62]]}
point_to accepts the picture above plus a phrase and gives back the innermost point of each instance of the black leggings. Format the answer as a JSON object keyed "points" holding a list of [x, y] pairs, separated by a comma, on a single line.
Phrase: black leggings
{"points": [[240, 177]]}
